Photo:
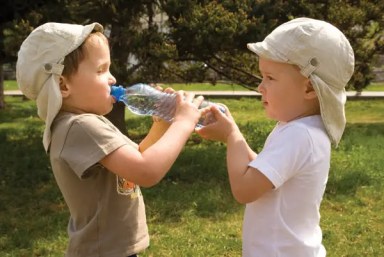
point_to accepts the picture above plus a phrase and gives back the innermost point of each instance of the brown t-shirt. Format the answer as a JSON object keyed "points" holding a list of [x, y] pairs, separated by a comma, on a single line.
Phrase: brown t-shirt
{"points": [[107, 212]]}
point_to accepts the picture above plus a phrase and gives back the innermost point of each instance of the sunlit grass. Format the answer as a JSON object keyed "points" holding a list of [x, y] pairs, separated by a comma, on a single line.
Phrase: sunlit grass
{"points": [[375, 86], [10, 85]]}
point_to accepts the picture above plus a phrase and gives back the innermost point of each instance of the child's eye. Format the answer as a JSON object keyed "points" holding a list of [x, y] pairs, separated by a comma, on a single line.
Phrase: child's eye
{"points": [[267, 77]]}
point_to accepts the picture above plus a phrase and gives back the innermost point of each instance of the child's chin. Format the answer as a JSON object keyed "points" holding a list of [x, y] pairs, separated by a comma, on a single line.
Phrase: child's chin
{"points": [[106, 111]]}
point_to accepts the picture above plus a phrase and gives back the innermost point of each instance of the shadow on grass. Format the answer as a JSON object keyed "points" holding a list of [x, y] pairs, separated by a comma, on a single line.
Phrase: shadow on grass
{"points": [[348, 184], [357, 162], [31, 207]]}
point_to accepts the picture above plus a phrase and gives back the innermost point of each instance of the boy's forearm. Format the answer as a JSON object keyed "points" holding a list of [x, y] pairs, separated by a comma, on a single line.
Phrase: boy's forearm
{"points": [[174, 138], [167, 148], [239, 154], [156, 131]]}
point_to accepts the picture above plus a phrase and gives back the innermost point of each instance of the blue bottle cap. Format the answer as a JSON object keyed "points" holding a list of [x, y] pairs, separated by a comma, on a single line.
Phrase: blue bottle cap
{"points": [[117, 92]]}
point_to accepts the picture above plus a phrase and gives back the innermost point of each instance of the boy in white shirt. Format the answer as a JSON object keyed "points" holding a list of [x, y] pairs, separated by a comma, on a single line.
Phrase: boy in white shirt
{"points": [[305, 65]]}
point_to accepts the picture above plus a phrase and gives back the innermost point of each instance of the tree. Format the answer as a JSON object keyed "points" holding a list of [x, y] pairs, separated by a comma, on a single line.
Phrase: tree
{"points": [[216, 32], [362, 22], [201, 40], [8, 13], [17, 20], [133, 39]]}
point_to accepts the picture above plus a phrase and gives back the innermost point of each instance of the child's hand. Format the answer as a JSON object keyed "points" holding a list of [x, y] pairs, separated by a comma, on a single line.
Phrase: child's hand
{"points": [[220, 129], [187, 107]]}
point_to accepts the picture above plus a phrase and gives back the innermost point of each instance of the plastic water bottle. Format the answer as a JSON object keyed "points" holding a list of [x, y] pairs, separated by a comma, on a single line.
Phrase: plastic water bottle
{"points": [[142, 99]]}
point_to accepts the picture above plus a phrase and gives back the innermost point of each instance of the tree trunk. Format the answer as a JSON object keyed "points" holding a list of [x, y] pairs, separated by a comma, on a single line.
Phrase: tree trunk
{"points": [[2, 101], [117, 117]]}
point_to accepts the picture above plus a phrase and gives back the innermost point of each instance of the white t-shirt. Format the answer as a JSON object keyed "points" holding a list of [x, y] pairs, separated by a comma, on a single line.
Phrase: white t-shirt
{"points": [[285, 221]]}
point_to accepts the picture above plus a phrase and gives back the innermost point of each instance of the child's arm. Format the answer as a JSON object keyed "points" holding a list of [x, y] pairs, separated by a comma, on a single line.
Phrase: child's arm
{"points": [[247, 184], [150, 166], [157, 130]]}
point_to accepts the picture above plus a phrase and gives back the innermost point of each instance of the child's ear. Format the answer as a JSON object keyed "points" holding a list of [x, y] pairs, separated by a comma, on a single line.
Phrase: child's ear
{"points": [[64, 89], [310, 92]]}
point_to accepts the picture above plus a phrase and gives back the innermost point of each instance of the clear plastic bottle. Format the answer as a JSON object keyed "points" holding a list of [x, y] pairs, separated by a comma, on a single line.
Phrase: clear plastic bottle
{"points": [[142, 99]]}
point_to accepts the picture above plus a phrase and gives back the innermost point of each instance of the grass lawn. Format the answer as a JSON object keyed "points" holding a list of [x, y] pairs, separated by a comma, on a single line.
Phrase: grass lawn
{"points": [[192, 212], [375, 87], [10, 85]]}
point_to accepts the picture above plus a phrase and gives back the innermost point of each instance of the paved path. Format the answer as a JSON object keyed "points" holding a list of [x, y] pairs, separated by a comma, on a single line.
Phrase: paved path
{"points": [[239, 94], [13, 93]]}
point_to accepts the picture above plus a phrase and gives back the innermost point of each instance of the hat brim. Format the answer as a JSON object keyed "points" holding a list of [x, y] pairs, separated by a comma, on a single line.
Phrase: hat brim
{"points": [[267, 51], [86, 30]]}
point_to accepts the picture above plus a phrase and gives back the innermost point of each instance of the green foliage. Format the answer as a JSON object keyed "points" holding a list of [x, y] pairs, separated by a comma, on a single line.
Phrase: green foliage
{"points": [[362, 23], [192, 212], [216, 32], [19, 18]]}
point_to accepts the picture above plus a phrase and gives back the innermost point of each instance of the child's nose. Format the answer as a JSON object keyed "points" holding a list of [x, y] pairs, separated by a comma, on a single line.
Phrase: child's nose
{"points": [[112, 80], [260, 87]]}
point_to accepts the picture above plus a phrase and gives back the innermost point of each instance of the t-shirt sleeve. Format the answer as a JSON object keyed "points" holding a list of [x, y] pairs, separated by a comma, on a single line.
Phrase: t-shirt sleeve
{"points": [[284, 155], [88, 140]]}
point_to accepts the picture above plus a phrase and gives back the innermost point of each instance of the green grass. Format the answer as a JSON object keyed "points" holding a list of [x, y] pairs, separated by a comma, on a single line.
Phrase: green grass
{"points": [[375, 86], [192, 212], [10, 85]]}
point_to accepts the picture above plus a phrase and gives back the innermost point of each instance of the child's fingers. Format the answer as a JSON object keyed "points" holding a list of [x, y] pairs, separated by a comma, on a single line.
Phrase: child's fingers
{"points": [[155, 86], [188, 96], [179, 95], [169, 90], [198, 100], [223, 106], [220, 111]]}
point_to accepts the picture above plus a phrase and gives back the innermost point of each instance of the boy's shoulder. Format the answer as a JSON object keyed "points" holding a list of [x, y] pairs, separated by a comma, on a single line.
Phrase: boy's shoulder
{"points": [[85, 129], [83, 118], [306, 128], [304, 122], [66, 122]]}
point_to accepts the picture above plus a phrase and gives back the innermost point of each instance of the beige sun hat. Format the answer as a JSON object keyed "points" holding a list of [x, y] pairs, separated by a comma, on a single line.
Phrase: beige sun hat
{"points": [[40, 64], [324, 55]]}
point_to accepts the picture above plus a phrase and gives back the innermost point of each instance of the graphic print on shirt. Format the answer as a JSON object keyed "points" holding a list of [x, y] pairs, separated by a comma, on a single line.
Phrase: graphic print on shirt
{"points": [[125, 187]]}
